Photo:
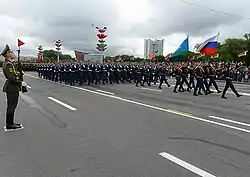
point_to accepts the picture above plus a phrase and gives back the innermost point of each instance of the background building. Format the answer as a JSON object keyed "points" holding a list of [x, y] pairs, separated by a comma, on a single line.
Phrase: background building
{"points": [[88, 57], [96, 58], [153, 47], [81, 56], [28, 58]]}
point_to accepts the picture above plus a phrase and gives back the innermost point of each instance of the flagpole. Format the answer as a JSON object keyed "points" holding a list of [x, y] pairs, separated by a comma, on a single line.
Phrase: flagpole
{"points": [[19, 67], [188, 46], [218, 36], [19, 63]]}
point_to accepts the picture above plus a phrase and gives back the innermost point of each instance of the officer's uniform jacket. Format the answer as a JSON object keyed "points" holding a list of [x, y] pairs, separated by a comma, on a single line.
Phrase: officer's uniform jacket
{"points": [[13, 82]]}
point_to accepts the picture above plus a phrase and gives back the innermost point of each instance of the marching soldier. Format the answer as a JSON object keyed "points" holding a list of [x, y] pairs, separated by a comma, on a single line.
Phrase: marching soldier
{"points": [[228, 74], [184, 78], [163, 78], [206, 77], [199, 84], [212, 78], [139, 77], [11, 87], [178, 74], [191, 73]]}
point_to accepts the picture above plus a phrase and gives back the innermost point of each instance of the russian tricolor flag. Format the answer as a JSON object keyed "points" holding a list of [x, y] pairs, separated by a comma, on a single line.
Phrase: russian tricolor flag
{"points": [[208, 46]]}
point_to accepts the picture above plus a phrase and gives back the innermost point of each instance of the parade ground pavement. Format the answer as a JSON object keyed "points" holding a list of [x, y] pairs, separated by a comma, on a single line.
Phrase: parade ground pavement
{"points": [[119, 130]]}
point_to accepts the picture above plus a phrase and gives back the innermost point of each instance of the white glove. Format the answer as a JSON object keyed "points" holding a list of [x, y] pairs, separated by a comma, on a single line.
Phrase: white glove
{"points": [[24, 84]]}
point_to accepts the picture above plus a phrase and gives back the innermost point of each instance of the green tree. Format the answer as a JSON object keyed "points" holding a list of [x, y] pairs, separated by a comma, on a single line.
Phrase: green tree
{"points": [[160, 58], [235, 46], [247, 36], [48, 54], [138, 59], [66, 57], [51, 55], [231, 47]]}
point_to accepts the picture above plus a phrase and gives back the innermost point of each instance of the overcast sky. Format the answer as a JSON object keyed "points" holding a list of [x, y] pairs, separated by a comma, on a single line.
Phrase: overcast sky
{"points": [[38, 22]]}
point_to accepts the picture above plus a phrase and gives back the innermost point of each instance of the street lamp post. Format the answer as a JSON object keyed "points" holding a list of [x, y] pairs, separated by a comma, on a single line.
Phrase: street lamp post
{"points": [[154, 50], [58, 45], [101, 45], [40, 53]]}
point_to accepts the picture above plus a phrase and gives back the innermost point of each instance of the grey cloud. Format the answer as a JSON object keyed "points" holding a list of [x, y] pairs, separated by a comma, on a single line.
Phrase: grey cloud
{"points": [[179, 17], [71, 22], [24, 52]]}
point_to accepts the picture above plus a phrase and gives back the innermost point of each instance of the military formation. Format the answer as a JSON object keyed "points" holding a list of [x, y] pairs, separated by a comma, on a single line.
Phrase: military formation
{"points": [[197, 76]]}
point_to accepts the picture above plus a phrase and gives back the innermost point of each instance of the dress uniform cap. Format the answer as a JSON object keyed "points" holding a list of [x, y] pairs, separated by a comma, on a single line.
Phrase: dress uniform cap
{"points": [[6, 49]]}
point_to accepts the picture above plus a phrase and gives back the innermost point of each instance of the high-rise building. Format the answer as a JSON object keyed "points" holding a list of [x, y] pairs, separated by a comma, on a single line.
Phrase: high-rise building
{"points": [[153, 47]]}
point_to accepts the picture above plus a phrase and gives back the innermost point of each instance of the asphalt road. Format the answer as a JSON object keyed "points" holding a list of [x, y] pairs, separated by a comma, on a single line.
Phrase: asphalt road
{"points": [[122, 131]]}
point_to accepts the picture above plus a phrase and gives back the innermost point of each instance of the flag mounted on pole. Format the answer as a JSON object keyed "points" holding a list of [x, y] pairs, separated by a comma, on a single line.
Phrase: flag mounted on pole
{"points": [[208, 46], [244, 53], [182, 50], [20, 43]]}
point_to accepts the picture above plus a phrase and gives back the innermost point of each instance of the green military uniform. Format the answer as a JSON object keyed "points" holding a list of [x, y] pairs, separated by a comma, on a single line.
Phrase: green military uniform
{"points": [[12, 87]]}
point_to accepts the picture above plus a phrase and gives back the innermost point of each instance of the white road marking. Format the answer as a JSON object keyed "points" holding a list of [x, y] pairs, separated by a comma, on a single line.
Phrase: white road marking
{"points": [[165, 110], [29, 87], [186, 165], [231, 92], [63, 104], [221, 82], [242, 90], [151, 89], [105, 92], [243, 84], [154, 107], [243, 93], [228, 120]]}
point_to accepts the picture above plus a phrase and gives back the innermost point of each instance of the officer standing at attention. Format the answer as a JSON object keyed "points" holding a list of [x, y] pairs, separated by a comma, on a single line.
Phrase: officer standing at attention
{"points": [[12, 87]]}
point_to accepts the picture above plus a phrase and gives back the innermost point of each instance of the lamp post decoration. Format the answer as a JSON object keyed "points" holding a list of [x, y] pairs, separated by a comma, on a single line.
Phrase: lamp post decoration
{"points": [[40, 53], [58, 45], [101, 45]]}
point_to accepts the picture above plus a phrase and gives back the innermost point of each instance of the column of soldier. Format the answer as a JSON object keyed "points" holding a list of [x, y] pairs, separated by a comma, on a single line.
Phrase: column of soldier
{"points": [[197, 76]]}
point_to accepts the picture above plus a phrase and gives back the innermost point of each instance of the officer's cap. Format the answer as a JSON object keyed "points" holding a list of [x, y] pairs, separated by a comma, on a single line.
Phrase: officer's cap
{"points": [[5, 50]]}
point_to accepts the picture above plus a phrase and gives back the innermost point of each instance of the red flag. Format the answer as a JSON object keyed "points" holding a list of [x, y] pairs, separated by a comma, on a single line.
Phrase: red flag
{"points": [[244, 53], [19, 42]]}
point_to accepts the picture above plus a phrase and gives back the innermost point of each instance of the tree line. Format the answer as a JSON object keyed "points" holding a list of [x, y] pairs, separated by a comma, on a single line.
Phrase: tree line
{"points": [[51, 55], [231, 47], [228, 51]]}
